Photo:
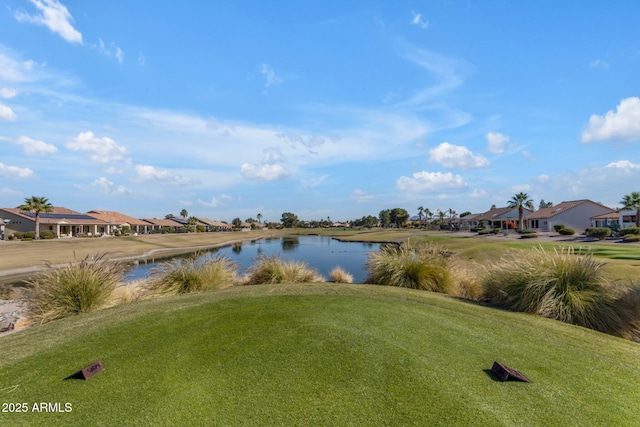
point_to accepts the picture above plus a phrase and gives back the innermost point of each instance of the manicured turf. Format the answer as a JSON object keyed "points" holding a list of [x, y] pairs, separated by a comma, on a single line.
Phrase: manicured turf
{"points": [[318, 354]]}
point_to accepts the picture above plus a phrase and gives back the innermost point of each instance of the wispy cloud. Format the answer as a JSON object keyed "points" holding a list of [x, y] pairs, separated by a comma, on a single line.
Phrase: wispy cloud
{"points": [[419, 21], [15, 172], [271, 77], [6, 113], [598, 64], [150, 173], [425, 181], [110, 50], [55, 16], [217, 201], [109, 187], [7, 92]]}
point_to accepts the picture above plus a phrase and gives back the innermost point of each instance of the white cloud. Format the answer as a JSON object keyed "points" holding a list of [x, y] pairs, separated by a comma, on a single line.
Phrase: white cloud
{"points": [[621, 125], [479, 194], [430, 181], [15, 172], [497, 142], [109, 187], [221, 200], [111, 51], [520, 188], [598, 63], [6, 113], [162, 176], [543, 179], [456, 157], [624, 165], [270, 75], [361, 196], [102, 150], [55, 16], [6, 92], [267, 172], [34, 147], [417, 20], [528, 155]]}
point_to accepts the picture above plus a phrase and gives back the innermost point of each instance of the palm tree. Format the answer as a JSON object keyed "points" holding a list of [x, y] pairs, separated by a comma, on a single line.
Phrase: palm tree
{"points": [[420, 213], [184, 213], [259, 218], [632, 201], [452, 215], [428, 214], [38, 205], [521, 201]]}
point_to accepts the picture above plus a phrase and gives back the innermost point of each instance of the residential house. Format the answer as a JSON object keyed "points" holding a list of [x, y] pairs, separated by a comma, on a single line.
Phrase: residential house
{"points": [[211, 225], [618, 219], [468, 222], [62, 222], [116, 221], [574, 214], [160, 224], [503, 218]]}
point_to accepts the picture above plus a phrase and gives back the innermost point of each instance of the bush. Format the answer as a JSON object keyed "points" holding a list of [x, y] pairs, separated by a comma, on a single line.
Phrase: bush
{"points": [[558, 227], [567, 231], [485, 231], [628, 307], [529, 236], [476, 229], [527, 231], [559, 285], [191, 274], [628, 230], [631, 238], [18, 235], [272, 269], [76, 288], [339, 275], [424, 266], [29, 235], [47, 234], [599, 232]]}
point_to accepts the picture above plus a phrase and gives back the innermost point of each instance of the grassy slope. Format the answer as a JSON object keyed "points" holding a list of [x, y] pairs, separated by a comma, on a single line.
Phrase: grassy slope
{"points": [[320, 354]]}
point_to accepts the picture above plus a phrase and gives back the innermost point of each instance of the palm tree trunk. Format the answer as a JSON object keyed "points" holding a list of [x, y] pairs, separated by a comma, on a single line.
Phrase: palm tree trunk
{"points": [[37, 235]]}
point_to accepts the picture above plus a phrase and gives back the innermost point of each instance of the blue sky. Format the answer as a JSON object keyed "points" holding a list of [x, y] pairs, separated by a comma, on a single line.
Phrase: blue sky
{"points": [[332, 108]]}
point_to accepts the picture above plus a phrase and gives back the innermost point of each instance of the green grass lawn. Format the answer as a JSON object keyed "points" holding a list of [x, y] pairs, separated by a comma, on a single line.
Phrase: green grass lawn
{"points": [[318, 354]]}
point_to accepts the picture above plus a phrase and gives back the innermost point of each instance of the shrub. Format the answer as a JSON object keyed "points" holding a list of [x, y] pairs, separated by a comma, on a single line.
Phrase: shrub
{"points": [[485, 231], [76, 288], [567, 231], [273, 269], [47, 234], [628, 306], [27, 239], [425, 266], [559, 285], [496, 230], [339, 275], [599, 232], [631, 238], [628, 230], [29, 235], [476, 229], [527, 231], [529, 236], [192, 274], [558, 227], [18, 234]]}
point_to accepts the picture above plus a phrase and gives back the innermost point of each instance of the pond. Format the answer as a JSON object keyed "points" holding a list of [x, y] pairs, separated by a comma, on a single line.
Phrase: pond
{"points": [[320, 252]]}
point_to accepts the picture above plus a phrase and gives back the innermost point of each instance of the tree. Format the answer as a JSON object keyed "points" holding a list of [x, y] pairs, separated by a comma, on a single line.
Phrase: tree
{"points": [[184, 213], [429, 214], [385, 217], [544, 204], [236, 222], [168, 216], [289, 220], [259, 218], [420, 213], [452, 215], [632, 201], [399, 216], [37, 205], [465, 213], [521, 201], [193, 221]]}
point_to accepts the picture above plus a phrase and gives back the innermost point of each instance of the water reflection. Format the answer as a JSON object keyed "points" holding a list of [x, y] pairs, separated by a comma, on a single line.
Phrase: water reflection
{"points": [[290, 243], [237, 248]]}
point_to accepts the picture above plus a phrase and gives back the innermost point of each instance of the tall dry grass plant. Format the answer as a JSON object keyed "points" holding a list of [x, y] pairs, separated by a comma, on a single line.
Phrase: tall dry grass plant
{"points": [[339, 275], [191, 274], [273, 269], [414, 264], [561, 285], [76, 288]]}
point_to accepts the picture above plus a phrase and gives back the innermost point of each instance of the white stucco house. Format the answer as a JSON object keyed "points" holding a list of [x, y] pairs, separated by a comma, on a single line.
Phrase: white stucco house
{"points": [[576, 214]]}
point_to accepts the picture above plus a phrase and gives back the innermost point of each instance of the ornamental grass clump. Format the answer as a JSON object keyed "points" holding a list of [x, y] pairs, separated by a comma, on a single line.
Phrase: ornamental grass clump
{"points": [[193, 274], [76, 288], [274, 269], [339, 275], [561, 285], [415, 265]]}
